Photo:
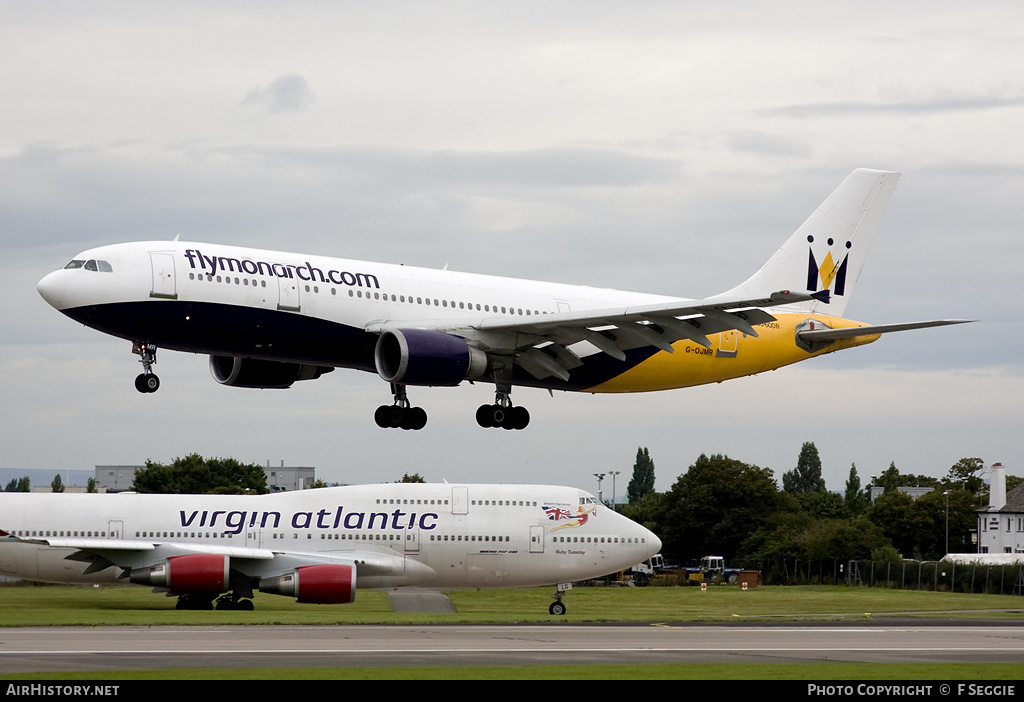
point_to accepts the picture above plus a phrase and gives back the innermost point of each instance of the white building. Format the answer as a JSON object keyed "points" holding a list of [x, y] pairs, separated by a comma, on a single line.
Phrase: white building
{"points": [[1001, 524]]}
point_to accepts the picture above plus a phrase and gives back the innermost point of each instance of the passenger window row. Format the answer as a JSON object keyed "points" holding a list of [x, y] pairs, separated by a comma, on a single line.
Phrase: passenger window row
{"points": [[378, 296]]}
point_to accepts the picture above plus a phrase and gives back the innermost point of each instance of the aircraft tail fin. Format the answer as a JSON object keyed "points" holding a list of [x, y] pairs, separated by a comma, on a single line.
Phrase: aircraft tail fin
{"points": [[826, 254]]}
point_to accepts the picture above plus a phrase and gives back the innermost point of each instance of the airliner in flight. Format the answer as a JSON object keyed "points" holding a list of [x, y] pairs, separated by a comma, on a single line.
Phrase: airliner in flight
{"points": [[268, 319], [319, 546]]}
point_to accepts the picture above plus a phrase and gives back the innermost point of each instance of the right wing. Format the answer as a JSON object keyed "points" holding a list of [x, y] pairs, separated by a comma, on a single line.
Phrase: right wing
{"points": [[540, 344]]}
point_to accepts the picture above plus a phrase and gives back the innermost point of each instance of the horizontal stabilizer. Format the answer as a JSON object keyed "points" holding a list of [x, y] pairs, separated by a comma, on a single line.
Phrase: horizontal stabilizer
{"points": [[825, 335]]}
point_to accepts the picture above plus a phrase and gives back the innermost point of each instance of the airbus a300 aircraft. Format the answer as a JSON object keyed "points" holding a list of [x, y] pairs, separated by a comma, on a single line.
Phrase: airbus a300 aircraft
{"points": [[320, 545], [268, 318]]}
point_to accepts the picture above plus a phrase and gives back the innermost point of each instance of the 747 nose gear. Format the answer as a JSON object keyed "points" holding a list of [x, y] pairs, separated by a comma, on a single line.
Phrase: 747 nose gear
{"points": [[557, 607]]}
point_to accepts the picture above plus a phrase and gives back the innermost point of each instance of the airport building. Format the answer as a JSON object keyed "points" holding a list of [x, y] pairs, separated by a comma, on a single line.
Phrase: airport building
{"points": [[280, 478], [284, 478]]}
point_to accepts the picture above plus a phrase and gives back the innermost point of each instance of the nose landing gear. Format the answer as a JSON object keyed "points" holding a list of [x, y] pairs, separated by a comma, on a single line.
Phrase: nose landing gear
{"points": [[147, 381], [558, 607]]}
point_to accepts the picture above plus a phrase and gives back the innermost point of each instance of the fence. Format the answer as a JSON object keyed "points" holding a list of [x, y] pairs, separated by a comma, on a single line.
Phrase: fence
{"points": [[940, 576]]}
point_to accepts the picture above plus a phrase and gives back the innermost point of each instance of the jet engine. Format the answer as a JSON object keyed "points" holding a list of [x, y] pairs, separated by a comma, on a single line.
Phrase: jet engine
{"points": [[315, 584], [197, 572], [255, 373], [423, 357]]}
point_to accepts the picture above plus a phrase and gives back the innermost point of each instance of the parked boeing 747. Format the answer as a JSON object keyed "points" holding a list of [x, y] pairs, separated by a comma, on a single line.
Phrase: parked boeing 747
{"points": [[318, 546], [269, 318]]}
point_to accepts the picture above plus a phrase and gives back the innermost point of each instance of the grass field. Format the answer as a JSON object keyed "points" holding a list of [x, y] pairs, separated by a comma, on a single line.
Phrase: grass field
{"points": [[85, 606], [88, 606]]}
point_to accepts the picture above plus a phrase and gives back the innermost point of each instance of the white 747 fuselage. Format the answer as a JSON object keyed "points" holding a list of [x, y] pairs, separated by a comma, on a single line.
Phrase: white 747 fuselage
{"points": [[319, 545]]}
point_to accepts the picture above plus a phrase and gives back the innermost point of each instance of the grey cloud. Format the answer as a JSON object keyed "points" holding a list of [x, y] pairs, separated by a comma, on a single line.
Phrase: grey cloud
{"points": [[286, 93], [937, 105]]}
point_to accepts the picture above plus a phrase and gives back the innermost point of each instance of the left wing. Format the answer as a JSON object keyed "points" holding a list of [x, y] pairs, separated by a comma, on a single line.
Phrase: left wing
{"points": [[138, 556]]}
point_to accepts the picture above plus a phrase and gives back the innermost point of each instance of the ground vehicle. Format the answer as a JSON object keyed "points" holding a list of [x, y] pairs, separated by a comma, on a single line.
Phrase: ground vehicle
{"points": [[644, 571], [712, 569]]}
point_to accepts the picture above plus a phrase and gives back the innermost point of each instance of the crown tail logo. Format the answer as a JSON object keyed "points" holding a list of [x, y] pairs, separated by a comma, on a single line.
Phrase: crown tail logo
{"points": [[827, 273]]}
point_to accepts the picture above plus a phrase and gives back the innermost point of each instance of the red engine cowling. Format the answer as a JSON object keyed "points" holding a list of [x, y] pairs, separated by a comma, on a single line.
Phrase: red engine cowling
{"points": [[197, 572], [315, 584]]}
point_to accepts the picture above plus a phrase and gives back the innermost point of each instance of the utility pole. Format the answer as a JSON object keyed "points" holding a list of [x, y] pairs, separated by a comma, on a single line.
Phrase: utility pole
{"points": [[613, 473]]}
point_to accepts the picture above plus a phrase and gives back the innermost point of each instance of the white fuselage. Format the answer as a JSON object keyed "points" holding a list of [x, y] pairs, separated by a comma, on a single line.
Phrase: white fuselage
{"points": [[314, 310], [428, 535]]}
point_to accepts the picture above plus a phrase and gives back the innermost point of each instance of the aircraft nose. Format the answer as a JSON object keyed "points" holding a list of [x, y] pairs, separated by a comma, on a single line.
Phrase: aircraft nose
{"points": [[54, 288], [654, 542]]}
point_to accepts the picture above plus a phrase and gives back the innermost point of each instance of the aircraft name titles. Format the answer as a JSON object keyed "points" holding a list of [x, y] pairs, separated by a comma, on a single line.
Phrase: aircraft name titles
{"points": [[235, 521], [307, 272]]}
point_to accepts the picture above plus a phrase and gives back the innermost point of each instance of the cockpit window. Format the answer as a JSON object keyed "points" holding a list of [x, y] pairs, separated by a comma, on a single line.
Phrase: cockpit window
{"points": [[90, 265]]}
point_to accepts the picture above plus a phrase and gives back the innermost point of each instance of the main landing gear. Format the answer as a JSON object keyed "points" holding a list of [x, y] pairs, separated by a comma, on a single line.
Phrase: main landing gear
{"points": [[146, 381], [192, 600], [502, 413], [206, 601], [400, 415], [234, 603]]}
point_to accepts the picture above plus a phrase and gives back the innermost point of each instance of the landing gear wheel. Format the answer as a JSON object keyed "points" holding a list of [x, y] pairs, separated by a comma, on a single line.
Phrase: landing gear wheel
{"points": [[520, 417], [485, 416], [414, 418], [387, 416], [147, 382], [503, 416], [557, 608], [194, 601], [400, 415], [234, 603]]}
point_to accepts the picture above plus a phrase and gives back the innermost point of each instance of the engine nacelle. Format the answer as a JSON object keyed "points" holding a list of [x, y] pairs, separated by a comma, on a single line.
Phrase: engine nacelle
{"points": [[197, 572], [423, 357], [315, 584], [256, 373]]}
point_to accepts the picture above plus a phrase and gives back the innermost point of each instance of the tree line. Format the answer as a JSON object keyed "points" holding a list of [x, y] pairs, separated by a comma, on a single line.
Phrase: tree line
{"points": [[24, 484], [725, 507]]}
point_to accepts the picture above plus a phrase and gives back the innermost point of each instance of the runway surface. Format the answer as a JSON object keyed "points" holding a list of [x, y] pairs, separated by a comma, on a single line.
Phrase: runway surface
{"points": [[24, 650]]}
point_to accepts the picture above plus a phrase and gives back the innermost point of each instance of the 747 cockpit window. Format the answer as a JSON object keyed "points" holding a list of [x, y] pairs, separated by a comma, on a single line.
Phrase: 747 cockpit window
{"points": [[90, 265]]}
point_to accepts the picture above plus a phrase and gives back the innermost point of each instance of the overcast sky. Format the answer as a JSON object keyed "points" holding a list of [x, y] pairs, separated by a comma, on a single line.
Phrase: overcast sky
{"points": [[667, 147]]}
